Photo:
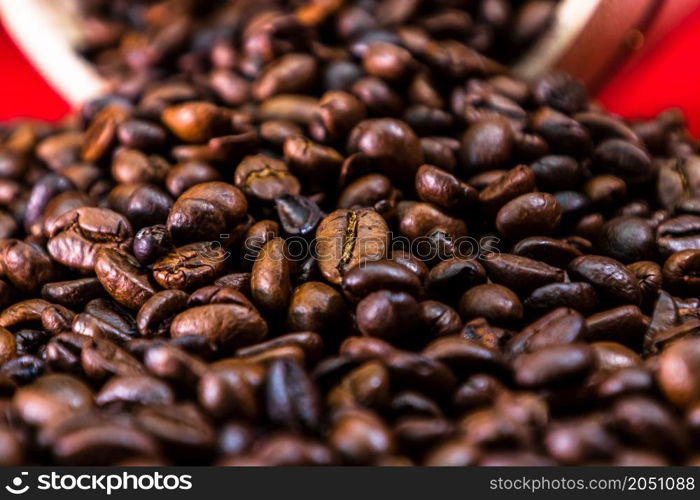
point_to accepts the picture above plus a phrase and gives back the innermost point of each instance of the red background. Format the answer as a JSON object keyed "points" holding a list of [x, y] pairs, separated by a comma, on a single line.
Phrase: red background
{"points": [[668, 75]]}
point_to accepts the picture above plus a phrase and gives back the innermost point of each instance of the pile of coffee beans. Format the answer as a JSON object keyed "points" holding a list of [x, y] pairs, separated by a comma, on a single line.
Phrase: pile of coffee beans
{"points": [[337, 232]]}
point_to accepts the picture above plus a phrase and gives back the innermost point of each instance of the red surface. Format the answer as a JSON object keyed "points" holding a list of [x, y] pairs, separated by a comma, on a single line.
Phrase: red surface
{"points": [[667, 76], [24, 92]]}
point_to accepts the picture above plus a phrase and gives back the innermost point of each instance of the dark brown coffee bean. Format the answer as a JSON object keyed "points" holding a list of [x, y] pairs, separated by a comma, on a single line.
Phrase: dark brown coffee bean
{"points": [[102, 359], [270, 279], [520, 273], [27, 266], [494, 302], [563, 134], [624, 159], [440, 319], [360, 437], [338, 112], [612, 280], [453, 276], [290, 74], [679, 272], [265, 178], [230, 324], [677, 373], [515, 182], [346, 238], [575, 295], [316, 307], [580, 440], [188, 173], [123, 278], [487, 144], [627, 239], [80, 233], [298, 215], [292, 400], [560, 91], [434, 185], [529, 215], [135, 390], [156, 314], [189, 266], [205, 211], [362, 280], [8, 346], [554, 365], [57, 319], [387, 314], [622, 324], [180, 429], [417, 219], [52, 397], [370, 191], [393, 147], [678, 234], [105, 319], [196, 122], [104, 444], [557, 172], [561, 326], [650, 277]]}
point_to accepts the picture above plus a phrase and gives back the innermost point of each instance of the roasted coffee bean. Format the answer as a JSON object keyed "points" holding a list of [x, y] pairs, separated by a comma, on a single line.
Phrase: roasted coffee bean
{"points": [[453, 276], [680, 272], [360, 437], [292, 401], [561, 326], [494, 302], [528, 215], [677, 373], [8, 346], [206, 210], [417, 219], [650, 277], [623, 324], [196, 122], [362, 280], [624, 159], [612, 280], [72, 293], [627, 239], [387, 314], [370, 191], [298, 215], [434, 185], [156, 313], [151, 243], [557, 172], [487, 144], [135, 390], [265, 178], [80, 233], [189, 266], [520, 273], [27, 266], [123, 278], [393, 147], [560, 91], [188, 173], [229, 324], [513, 183], [347, 238], [270, 280], [678, 234], [575, 295], [52, 397], [316, 307], [554, 365]]}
